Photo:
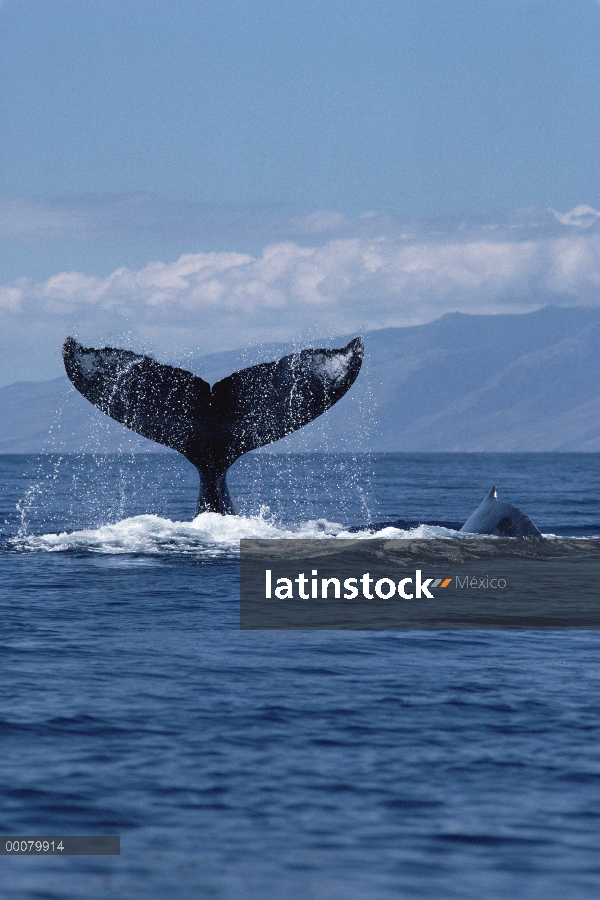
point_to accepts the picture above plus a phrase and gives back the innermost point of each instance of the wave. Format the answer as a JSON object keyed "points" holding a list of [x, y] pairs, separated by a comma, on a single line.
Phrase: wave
{"points": [[208, 535]]}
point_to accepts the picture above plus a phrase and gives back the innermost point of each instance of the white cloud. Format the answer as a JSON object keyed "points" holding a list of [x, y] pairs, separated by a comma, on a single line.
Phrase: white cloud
{"points": [[210, 301], [26, 221], [581, 216]]}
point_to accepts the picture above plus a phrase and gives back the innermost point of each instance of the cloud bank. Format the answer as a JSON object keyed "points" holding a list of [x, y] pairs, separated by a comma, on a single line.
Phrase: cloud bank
{"points": [[347, 282]]}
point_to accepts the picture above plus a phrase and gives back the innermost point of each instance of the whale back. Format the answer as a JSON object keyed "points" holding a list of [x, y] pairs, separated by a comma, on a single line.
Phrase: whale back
{"points": [[502, 519]]}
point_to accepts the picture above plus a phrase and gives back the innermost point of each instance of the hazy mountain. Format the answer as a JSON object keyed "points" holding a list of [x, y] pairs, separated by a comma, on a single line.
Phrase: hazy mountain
{"points": [[510, 382]]}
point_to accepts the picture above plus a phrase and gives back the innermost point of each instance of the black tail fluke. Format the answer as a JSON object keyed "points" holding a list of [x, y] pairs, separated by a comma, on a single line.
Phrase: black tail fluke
{"points": [[212, 428]]}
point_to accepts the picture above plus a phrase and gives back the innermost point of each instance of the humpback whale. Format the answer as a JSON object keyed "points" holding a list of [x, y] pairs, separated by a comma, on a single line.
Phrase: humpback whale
{"points": [[497, 517], [212, 426]]}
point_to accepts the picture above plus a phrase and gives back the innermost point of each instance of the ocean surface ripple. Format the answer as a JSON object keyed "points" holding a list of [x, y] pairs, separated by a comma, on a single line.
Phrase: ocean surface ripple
{"points": [[305, 765]]}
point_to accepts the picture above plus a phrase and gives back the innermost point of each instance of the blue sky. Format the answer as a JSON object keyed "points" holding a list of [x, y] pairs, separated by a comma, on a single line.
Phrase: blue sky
{"points": [[411, 107], [134, 132]]}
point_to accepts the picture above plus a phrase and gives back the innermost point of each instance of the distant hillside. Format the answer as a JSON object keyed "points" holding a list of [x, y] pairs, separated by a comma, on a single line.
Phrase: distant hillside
{"points": [[496, 383], [489, 383]]}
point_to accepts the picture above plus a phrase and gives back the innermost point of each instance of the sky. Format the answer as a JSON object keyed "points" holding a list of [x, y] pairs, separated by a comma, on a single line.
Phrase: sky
{"points": [[193, 176]]}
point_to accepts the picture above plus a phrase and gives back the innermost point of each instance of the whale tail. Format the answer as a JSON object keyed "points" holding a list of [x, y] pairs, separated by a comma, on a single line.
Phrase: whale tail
{"points": [[212, 427]]}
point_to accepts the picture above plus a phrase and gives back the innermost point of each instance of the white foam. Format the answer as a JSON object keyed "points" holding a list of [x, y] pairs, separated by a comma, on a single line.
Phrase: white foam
{"points": [[209, 535]]}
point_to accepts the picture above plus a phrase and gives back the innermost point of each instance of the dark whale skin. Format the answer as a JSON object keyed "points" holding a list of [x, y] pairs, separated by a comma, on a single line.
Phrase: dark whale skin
{"points": [[212, 427], [502, 519]]}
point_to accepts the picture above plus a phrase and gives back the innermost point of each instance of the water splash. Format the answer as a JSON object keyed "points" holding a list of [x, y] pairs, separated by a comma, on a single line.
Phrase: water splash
{"points": [[209, 535]]}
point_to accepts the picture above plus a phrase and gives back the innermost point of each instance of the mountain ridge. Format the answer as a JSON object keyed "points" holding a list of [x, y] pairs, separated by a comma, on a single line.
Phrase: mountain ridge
{"points": [[463, 382]]}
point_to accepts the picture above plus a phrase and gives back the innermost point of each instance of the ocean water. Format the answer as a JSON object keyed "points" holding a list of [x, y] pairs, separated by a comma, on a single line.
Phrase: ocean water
{"points": [[309, 766]]}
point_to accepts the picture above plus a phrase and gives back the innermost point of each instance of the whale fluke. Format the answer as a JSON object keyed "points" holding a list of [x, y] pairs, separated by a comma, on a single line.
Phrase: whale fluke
{"points": [[212, 427], [495, 516]]}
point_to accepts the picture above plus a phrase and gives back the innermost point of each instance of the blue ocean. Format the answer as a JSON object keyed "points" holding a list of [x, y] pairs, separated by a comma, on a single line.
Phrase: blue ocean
{"points": [[267, 765]]}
